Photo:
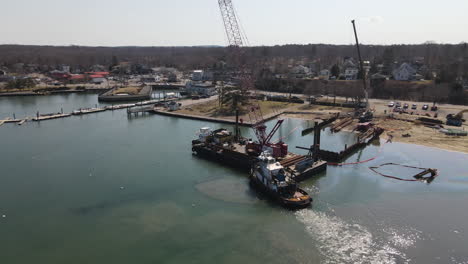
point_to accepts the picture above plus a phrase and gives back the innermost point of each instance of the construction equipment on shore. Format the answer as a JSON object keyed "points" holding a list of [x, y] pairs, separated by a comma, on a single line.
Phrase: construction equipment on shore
{"points": [[367, 115], [456, 120]]}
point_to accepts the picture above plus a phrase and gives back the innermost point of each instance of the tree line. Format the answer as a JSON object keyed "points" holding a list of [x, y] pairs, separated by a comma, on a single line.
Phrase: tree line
{"points": [[449, 59]]}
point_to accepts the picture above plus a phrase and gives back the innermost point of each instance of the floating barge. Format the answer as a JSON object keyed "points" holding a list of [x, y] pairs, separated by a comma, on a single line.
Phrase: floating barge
{"points": [[363, 140], [235, 156], [222, 147]]}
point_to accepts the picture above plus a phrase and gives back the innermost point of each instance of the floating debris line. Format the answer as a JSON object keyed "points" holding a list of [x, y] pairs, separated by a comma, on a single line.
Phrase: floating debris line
{"points": [[422, 176]]}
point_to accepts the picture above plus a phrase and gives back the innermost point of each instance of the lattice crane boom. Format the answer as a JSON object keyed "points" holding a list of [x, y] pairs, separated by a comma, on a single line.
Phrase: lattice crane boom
{"points": [[236, 43], [231, 23]]}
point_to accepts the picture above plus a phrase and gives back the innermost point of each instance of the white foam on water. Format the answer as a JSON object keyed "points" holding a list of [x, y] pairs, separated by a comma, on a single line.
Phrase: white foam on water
{"points": [[402, 238], [343, 242]]}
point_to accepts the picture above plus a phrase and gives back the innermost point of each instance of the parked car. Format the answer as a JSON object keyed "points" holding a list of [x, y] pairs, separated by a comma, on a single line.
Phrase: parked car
{"points": [[397, 109], [204, 96], [195, 97], [391, 104], [414, 107], [398, 104], [434, 108], [425, 107], [405, 106]]}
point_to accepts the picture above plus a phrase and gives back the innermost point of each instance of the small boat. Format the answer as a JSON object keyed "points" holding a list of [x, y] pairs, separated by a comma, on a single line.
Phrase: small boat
{"points": [[269, 176]]}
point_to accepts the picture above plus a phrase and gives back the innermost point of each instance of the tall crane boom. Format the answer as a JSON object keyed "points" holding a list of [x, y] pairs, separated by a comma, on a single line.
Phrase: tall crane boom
{"points": [[246, 82], [231, 23], [361, 66]]}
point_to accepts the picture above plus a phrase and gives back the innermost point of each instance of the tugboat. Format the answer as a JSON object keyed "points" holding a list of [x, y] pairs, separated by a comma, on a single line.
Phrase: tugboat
{"points": [[269, 176]]}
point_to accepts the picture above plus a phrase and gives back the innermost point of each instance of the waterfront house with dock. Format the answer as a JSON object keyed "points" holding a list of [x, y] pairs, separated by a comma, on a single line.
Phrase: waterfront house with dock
{"points": [[202, 88]]}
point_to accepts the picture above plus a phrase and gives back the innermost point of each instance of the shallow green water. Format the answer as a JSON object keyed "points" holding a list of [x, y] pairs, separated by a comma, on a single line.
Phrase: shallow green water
{"points": [[103, 188]]}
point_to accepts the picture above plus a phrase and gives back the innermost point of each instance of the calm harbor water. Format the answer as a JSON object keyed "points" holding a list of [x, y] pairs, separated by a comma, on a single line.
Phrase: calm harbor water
{"points": [[103, 188]]}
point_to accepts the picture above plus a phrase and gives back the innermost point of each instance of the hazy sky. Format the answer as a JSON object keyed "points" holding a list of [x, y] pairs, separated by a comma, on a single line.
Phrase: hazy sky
{"points": [[198, 22]]}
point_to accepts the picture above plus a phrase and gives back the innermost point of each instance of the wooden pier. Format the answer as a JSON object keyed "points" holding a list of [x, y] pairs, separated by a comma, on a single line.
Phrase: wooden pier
{"points": [[136, 110], [10, 120], [50, 116], [88, 111], [342, 124], [117, 107], [321, 125]]}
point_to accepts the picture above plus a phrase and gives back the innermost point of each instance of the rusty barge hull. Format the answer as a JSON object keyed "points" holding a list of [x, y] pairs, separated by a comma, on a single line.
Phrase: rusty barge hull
{"points": [[244, 162], [340, 156], [224, 156], [318, 167]]}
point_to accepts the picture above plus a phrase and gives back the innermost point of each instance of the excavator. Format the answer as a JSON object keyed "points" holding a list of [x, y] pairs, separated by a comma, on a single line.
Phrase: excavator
{"points": [[456, 120]]}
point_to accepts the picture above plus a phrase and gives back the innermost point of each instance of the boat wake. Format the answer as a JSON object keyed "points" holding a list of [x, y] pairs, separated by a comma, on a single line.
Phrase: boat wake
{"points": [[343, 242]]}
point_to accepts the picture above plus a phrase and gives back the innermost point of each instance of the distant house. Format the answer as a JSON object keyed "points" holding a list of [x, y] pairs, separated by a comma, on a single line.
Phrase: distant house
{"points": [[379, 68], [172, 77], [281, 76], [201, 88], [405, 72], [65, 68], [59, 75], [97, 78], [77, 78], [300, 72], [324, 74], [465, 84], [148, 78], [197, 75], [97, 68], [378, 76], [351, 73], [4, 77], [208, 76], [103, 73], [351, 70]]}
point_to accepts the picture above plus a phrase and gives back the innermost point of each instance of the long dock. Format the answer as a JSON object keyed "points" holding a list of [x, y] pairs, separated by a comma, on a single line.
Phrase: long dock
{"points": [[117, 107], [213, 119], [48, 117], [202, 118], [9, 120], [88, 111]]}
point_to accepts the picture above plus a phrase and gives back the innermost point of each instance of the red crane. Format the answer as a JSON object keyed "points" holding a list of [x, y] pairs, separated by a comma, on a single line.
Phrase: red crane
{"points": [[236, 42]]}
